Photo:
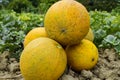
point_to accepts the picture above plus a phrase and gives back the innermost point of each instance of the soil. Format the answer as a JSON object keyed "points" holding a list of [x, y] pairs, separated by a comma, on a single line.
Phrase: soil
{"points": [[107, 68]]}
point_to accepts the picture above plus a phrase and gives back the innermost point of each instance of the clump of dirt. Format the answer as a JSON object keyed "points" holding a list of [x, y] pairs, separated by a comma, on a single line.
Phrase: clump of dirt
{"points": [[107, 68], [9, 67]]}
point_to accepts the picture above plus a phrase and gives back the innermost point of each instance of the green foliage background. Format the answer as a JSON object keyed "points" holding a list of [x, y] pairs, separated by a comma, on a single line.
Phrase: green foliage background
{"points": [[41, 6], [13, 28], [106, 27]]}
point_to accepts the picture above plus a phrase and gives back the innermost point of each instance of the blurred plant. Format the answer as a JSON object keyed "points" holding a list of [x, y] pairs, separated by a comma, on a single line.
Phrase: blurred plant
{"points": [[20, 5], [41, 6], [14, 27], [107, 5], [106, 27], [3, 3]]}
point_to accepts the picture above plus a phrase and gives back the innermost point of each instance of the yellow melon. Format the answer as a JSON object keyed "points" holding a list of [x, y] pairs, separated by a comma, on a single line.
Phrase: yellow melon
{"points": [[33, 34], [90, 35], [43, 59], [82, 56], [67, 22]]}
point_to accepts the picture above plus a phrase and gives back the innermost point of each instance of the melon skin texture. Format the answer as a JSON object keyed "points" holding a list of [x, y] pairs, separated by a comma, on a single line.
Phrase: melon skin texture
{"points": [[33, 34], [43, 59], [83, 56], [90, 35], [67, 22]]}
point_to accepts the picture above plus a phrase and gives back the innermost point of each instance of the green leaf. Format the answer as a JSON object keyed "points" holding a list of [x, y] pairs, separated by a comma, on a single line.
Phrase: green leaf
{"points": [[112, 40], [117, 34], [117, 48], [13, 28]]}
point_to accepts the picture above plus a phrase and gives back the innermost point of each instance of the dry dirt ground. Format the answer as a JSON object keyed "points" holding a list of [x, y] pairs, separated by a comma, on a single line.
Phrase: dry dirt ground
{"points": [[107, 68]]}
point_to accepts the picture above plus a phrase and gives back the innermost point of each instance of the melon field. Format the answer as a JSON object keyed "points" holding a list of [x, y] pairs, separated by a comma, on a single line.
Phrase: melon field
{"points": [[55, 44]]}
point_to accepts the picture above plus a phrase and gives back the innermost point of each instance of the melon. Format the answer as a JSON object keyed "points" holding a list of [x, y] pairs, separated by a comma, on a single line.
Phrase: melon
{"points": [[82, 56], [43, 59], [33, 34], [67, 22], [90, 35]]}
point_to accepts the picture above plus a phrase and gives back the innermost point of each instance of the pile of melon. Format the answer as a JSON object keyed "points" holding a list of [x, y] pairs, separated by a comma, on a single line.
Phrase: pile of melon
{"points": [[65, 39]]}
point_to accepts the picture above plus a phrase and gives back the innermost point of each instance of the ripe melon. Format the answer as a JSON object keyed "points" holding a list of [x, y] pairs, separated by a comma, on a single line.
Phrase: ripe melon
{"points": [[43, 59], [67, 22], [82, 56], [33, 34], [90, 35]]}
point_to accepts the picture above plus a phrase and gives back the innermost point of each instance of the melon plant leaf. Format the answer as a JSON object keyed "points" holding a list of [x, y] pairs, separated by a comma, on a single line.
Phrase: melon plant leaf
{"points": [[106, 28], [111, 39], [117, 34], [100, 33], [117, 48], [13, 28]]}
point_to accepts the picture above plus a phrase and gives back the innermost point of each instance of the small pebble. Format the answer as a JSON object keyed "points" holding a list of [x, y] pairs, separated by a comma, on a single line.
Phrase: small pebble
{"points": [[86, 74], [68, 77]]}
